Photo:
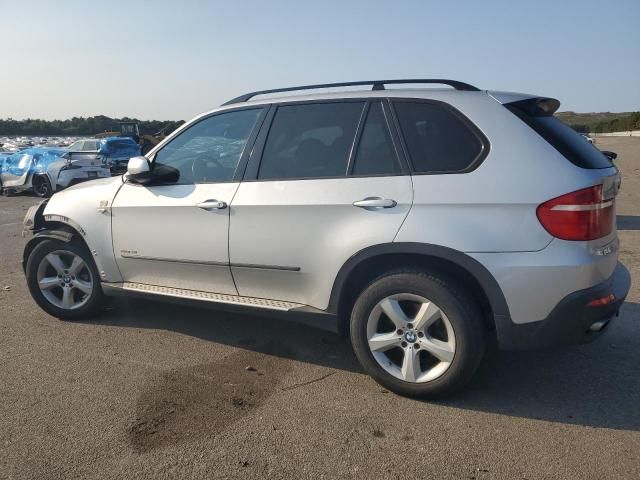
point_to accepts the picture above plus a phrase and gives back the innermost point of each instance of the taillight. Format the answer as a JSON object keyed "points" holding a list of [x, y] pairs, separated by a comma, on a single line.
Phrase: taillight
{"points": [[581, 215]]}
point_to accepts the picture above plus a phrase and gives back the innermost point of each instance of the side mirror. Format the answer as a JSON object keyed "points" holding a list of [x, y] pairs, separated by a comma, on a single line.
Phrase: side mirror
{"points": [[138, 170], [610, 155]]}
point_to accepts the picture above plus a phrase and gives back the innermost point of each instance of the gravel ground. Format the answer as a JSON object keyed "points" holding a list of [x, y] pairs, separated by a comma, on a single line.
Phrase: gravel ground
{"points": [[158, 391]]}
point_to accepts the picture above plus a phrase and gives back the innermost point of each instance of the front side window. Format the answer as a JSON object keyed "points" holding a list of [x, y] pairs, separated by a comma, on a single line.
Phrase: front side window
{"points": [[437, 139], [310, 141], [209, 151], [375, 154]]}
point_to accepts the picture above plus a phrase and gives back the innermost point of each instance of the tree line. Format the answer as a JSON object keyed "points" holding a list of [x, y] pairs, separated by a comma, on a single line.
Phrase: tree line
{"points": [[623, 124], [78, 126]]}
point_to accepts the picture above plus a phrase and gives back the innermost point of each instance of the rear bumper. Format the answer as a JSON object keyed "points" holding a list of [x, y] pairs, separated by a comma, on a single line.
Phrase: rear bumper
{"points": [[572, 321]]}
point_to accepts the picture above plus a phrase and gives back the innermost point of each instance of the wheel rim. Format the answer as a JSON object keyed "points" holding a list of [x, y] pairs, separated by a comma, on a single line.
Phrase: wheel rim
{"points": [[65, 279], [41, 188], [411, 338]]}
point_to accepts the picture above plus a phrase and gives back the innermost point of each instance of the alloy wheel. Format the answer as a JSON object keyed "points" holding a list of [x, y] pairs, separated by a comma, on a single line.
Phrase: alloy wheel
{"points": [[65, 279], [411, 338]]}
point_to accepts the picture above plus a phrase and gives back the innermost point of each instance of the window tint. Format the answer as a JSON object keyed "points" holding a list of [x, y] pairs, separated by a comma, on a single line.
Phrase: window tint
{"points": [[376, 155], [210, 150], [310, 141], [437, 139]]}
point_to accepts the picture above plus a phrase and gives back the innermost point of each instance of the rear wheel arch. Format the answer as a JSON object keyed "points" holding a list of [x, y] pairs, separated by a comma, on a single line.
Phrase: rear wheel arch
{"points": [[372, 262], [41, 185]]}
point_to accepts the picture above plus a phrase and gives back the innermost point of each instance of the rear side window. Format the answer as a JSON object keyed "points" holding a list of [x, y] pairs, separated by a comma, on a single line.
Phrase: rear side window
{"points": [[438, 139], [563, 138], [310, 141], [375, 155], [90, 146]]}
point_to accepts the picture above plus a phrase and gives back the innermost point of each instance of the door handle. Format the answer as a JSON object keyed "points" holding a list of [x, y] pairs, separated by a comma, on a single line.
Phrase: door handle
{"points": [[370, 203], [212, 204]]}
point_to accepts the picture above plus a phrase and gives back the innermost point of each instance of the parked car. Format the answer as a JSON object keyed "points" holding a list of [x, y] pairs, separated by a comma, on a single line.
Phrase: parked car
{"points": [[587, 137], [115, 150], [421, 222], [47, 170], [118, 151]]}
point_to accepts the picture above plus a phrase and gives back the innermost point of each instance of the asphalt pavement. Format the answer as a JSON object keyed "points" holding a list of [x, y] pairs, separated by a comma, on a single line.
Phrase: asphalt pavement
{"points": [[151, 390]]}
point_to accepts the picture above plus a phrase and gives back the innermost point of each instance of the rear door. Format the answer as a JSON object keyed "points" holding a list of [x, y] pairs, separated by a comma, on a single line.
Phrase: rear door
{"points": [[324, 181]]}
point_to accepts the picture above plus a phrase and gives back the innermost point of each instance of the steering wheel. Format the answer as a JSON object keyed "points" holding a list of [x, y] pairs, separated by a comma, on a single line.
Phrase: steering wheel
{"points": [[201, 166]]}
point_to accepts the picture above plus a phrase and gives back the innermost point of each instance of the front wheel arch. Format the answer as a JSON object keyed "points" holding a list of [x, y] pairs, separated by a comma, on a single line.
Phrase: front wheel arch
{"points": [[61, 232]]}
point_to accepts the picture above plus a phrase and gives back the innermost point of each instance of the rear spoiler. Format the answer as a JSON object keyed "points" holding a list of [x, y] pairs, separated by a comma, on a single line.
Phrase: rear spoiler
{"points": [[537, 106], [531, 104]]}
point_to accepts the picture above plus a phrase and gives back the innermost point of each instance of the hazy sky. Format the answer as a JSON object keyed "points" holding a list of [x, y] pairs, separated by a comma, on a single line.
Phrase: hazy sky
{"points": [[173, 59]]}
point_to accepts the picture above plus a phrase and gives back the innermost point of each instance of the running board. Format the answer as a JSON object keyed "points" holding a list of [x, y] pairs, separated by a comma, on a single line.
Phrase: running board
{"points": [[141, 288]]}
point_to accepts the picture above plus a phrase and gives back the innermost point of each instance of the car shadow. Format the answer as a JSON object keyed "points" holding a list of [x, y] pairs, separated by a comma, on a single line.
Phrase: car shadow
{"points": [[596, 385], [628, 222]]}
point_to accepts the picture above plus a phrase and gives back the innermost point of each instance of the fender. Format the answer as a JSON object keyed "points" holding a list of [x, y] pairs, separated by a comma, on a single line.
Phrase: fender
{"points": [[486, 280]]}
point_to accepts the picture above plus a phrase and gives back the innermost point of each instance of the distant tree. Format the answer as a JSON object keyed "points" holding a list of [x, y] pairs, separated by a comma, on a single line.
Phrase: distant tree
{"points": [[81, 126]]}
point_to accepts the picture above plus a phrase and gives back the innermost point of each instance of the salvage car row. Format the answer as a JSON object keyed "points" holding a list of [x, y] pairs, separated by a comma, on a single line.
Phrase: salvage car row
{"points": [[45, 170]]}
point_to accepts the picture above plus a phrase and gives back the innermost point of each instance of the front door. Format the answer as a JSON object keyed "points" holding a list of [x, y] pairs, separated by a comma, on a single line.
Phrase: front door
{"points": [[176, 234]]}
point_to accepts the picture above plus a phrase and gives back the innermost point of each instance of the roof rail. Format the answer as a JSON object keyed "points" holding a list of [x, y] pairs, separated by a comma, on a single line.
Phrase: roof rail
{"points": [[377, 85]]}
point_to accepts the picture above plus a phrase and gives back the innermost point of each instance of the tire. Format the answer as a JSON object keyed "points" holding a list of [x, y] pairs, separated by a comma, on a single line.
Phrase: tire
{"points": [[41, 186], [455, 332], [4, 191], [79, 303]]}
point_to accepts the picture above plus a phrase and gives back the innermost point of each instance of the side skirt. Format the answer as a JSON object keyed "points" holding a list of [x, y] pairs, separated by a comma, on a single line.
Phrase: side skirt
{"points": [[290, 311]]}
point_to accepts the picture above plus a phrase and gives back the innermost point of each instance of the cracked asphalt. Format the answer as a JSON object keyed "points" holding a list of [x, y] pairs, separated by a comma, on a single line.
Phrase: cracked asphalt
{"points": [[151, 390]]}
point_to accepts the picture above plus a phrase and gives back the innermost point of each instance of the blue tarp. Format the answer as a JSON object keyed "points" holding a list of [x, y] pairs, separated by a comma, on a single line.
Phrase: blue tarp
{"points": [[119, 148], [36, 159]]}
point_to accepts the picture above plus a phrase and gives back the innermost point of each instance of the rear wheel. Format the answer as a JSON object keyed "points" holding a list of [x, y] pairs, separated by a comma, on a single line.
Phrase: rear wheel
{"points": [[416, 334], [41, 186], [63, 280]]}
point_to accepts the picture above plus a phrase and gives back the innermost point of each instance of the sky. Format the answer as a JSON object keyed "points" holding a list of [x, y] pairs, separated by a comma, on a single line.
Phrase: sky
{"points": [[174, 59]]}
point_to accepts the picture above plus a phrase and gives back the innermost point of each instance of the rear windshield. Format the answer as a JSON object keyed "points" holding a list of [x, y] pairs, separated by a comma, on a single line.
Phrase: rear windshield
{"points": [[563, 138]]}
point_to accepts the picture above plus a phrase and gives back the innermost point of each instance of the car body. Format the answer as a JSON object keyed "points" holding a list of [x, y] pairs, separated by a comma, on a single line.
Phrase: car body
{"points": [[47, 170], [115, 150], [421, 221]]}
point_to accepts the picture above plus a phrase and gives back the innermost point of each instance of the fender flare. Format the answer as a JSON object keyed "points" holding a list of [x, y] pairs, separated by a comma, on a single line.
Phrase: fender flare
{"points": [[60, 235], [484, 278]]}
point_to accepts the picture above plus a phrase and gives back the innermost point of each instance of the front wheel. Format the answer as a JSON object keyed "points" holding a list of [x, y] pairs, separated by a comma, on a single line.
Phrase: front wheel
{"points": [[63, 280], [416, 334]]}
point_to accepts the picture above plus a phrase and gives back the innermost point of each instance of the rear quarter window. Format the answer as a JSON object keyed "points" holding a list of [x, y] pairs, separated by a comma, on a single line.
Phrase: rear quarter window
{"points": [[563, 138], [439, 139]]}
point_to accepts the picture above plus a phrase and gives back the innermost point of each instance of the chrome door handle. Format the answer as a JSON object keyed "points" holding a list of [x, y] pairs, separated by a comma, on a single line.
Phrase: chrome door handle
{"points": [[375, 202], [212, 204]]}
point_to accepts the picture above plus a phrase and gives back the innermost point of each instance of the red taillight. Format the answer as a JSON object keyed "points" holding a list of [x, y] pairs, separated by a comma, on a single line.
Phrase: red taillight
{"points": [[599, 302], [581, 215]]}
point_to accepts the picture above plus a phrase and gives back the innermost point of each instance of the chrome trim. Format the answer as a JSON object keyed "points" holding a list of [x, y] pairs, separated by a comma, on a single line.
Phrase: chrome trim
{"points": [[172, 260], [583, 208], [266, 267], [221, 264]]}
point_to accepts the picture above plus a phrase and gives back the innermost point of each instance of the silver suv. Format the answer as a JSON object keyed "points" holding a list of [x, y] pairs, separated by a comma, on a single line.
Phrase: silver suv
{"points": [[420, 221]]}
